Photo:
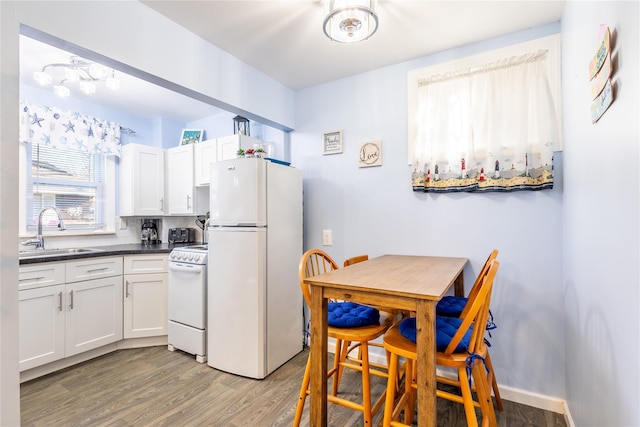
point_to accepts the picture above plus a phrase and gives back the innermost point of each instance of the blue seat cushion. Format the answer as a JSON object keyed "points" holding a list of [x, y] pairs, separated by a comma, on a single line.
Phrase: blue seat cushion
{"points": [[446, 328], [451, 306], [350, 315]]}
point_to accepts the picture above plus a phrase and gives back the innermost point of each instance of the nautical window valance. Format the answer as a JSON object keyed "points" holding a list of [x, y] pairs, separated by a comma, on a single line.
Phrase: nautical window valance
{"points": [[50, 126], [487, 128]]}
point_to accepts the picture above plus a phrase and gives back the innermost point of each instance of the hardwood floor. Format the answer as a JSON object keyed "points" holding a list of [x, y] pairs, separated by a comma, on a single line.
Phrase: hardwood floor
{"points": [[156, 387]]}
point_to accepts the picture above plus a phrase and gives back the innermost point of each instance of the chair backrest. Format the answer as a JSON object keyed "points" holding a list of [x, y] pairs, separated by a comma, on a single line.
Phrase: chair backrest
{"points": [[477, 313], [355, 260], [476, 285], [313, 263]]}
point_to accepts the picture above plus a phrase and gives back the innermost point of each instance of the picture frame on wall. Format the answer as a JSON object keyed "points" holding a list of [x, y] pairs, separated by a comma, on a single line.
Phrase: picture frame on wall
{"points": [[191, 136], [332, 142]]}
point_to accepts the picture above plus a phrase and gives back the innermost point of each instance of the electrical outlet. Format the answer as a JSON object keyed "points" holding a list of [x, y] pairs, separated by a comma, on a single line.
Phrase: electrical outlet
{"points": [[326, 237]]}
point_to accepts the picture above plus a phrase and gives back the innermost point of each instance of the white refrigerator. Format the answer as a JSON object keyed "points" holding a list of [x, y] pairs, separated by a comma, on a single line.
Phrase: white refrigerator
{"points": [[254, 322]]}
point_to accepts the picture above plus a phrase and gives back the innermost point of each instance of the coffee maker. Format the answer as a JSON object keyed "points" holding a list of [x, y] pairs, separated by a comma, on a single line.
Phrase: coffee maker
{"points": [[149, 231]]}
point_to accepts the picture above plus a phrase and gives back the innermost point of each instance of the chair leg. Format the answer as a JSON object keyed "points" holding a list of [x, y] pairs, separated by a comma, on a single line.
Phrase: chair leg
{"points": [[303, 393], [467, 398], [337, 367], [409, 381], [366, 384], [494, 383], [391, 390], [483, 390]]}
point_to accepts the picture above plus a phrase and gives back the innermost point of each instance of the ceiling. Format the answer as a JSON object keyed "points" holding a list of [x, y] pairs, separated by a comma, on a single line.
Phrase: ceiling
{"points": [[284, 40]]}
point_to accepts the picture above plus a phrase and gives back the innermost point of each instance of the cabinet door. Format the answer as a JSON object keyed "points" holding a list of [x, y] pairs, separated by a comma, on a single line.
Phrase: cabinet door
{"points": [[93, 314], [41, 326], [145, 305], [142, 264], [180, 180], [205, 154], [141, 180]]}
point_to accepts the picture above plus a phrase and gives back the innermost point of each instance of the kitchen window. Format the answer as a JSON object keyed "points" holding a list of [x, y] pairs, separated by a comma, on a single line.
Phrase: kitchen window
{"points": [[66, 169]]}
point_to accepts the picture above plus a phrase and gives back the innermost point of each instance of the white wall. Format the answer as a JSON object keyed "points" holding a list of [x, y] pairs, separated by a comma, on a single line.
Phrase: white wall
{"points": [[601, 220], [374, 211]]}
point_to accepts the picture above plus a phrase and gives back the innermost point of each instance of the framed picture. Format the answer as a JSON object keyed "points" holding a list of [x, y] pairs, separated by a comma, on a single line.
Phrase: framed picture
{"points": [[370, 154], [191, 136], [332, 142]]}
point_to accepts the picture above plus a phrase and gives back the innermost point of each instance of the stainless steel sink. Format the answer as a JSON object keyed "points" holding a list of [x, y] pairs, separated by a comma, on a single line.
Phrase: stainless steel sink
{"points": [[45, 253]]}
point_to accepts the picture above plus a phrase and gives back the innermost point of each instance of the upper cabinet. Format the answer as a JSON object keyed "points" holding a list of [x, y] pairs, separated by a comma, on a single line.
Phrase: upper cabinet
{"points": [[141, 180], [183, 197], [205, 154]]}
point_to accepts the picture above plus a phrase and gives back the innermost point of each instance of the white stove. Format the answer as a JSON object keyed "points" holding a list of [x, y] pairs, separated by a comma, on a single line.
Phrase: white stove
{"points": [[187, 300]]}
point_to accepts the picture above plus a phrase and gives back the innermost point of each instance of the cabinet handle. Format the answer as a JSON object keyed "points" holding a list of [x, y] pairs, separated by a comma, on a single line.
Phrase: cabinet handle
{"points": [[162, 203], [60, 301], [188, 201], [71, 300], [97, 269], [126, 289], [31, 278]]}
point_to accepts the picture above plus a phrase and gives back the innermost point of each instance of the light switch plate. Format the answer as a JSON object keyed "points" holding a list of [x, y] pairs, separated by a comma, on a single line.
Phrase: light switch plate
{"points": [[326, 238]]}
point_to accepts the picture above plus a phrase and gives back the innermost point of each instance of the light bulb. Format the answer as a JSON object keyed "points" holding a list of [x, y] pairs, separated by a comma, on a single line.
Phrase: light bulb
{"points": [[61, 91], [42, 77], [87, 87]]}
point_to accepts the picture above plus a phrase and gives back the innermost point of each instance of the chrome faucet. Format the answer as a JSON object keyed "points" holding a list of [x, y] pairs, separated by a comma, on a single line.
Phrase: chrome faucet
{"points": [[39, 240]]}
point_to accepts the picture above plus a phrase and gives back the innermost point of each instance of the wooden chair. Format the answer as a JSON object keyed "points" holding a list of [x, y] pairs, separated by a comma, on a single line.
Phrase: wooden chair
{"points": [[458, 307], [471, 357], [314, 262]]}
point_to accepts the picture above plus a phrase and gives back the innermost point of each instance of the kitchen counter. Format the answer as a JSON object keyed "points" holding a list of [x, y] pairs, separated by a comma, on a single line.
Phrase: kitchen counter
{"points": [[111, 250]]}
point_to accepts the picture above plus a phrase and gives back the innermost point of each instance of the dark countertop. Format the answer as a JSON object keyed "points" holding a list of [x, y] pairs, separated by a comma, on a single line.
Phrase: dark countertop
{"points": [[111, 250]]}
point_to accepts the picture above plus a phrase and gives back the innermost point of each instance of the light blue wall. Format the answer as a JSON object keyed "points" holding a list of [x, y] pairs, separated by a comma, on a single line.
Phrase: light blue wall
{"points": [[601, 219], [374, 211]]}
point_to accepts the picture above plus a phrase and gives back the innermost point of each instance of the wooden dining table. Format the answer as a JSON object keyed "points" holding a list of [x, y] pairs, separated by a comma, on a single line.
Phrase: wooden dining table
{"points": [[405, 282]]}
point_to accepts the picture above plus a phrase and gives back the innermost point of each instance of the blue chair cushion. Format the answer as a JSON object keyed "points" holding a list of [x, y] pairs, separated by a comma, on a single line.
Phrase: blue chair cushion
{"points": [[350, 315], [451, 306], [446, 328]]}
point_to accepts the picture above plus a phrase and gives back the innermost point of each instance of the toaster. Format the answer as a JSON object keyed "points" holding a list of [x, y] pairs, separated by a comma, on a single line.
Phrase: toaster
{"points": [[182, 235]]}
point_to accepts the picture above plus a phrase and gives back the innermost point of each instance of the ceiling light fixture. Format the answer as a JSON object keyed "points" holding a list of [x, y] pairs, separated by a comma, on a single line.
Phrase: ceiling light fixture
{"points": [[350, 21], [87, 73]]}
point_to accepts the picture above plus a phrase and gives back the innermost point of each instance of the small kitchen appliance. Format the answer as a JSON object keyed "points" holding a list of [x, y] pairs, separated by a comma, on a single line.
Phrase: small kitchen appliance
{"points": [[182, 235], [149, 231]]}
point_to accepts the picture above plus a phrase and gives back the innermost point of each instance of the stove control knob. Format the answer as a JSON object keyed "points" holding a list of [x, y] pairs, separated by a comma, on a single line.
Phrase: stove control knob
{"points": [[198, 258], [190, 257]]}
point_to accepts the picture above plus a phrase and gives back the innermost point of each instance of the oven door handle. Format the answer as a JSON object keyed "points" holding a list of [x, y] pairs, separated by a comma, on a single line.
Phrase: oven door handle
{"points": [[187, 268]]}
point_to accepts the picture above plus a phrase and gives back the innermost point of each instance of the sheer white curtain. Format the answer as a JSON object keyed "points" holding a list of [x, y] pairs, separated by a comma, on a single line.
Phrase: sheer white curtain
{"points": [[488, 128]]}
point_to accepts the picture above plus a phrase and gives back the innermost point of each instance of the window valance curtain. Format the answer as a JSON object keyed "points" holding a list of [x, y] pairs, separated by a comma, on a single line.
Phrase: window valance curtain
{"points": [[50, 126], [488, 128]]}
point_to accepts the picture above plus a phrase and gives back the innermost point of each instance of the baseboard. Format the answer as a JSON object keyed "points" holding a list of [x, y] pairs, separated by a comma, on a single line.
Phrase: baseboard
{"points": [[512, 394]]}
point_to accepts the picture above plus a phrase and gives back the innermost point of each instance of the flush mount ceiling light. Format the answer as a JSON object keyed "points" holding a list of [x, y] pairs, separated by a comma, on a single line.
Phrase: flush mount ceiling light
{"points": [[83, 72], [350, 21]]}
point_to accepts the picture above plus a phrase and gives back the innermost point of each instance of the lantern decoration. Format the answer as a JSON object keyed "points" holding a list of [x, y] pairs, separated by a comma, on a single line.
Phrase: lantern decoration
{"points": [[240, 126]]}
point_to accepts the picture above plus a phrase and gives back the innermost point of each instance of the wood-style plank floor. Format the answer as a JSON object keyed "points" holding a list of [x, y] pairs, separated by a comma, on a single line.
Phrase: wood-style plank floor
{"points": [[156, 387]]}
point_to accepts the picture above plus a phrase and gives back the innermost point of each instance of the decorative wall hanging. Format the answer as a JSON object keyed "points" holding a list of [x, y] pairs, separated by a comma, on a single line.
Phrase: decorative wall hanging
{"points": [[332, 142], [191, 136], [600, 72], [370, 154]]}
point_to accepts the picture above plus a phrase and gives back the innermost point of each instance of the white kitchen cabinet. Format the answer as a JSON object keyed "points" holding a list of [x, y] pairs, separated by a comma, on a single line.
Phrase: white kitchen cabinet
{"points": [[205, 153], [146, 288], [184, 198], [41, 325], [68, 308], [94, 314], [142, 177], [180, 184], [228, 146]]}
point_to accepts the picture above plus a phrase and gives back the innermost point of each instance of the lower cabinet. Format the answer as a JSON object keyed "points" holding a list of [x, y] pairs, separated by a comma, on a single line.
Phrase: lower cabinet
{"points": [[94, 314], [146, 290], [41, 325], [64, 320]]}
